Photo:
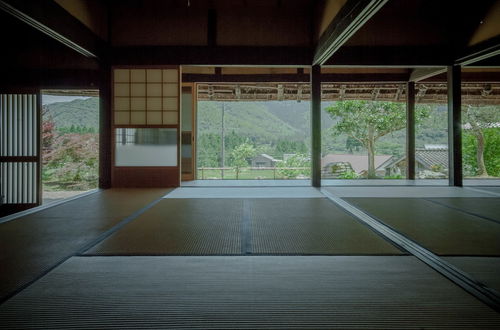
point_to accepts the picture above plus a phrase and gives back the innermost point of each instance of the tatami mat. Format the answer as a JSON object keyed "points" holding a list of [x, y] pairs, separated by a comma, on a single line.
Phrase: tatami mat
{"points": [[109, 203], [249, 192], [490, 190], [32, 244], [245, 293], [483, 207], [411, 192], [180, 226], [442, 230], [244, 226], [483, 269], [311, 226]]}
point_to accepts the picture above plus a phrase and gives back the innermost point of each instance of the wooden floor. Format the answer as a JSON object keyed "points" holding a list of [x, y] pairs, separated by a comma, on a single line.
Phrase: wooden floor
{"points": [[257, 257]]}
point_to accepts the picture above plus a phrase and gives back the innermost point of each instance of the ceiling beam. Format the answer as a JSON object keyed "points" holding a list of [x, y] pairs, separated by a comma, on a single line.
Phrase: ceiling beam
{"points": [[235, 78], [480, 52], [391, 56], [424, 73], [325, 77], [53, 78], [51, 19], [352, 16], [470, 77], [206, 55]]}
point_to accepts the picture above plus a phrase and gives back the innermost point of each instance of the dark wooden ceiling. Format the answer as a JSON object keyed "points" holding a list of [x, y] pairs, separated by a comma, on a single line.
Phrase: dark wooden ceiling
{"points": [[409, 35]]}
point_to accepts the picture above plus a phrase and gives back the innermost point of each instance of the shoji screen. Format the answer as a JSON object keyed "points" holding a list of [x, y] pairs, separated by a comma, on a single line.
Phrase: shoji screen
{"points": [[146, 96], [19, 152], [146, 106]]}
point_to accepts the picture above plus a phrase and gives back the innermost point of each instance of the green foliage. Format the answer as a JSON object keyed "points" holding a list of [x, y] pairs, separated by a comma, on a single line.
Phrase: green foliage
{"points": [[249, 119], [352, 144], [480, 117], [241, 155], [76, 129], [361, 119], [394, 176], [70, 144], [469, 160], [491, 152], [479, 121], [247, 122], [367, 121], [296, 166], [72, 162], [209, 150], [348, 175], [290, 147]]}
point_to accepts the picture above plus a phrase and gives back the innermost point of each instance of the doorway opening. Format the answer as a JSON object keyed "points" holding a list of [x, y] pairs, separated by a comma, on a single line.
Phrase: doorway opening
{"points": [[70, 143], [253, 131]]}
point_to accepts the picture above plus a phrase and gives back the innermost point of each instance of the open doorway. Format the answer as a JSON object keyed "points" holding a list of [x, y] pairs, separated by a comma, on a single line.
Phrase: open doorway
{"points": [[253, 131], [70, 143]]}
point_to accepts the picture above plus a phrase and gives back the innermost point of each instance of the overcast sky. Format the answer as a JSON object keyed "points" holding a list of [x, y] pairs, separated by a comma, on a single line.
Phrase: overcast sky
{"points": [[48, 99]]}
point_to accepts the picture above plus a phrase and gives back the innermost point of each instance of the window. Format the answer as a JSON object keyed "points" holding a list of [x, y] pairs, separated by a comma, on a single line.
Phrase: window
{"points": [[146, 147]]}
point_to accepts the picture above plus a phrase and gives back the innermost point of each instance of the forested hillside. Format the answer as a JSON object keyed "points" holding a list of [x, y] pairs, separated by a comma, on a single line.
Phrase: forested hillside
{"points": [[276, 128], [248, 119], [79, 113]]}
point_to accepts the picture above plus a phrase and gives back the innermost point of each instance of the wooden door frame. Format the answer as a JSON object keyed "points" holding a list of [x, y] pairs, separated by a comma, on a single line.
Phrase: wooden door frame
{"points": [[194, 99]]}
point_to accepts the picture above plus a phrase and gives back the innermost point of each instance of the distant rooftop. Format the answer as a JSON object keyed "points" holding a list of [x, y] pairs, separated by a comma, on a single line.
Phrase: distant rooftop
{"points": [[359, 163]]}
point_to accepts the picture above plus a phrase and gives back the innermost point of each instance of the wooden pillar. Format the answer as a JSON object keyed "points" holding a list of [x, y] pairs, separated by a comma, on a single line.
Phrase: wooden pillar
{"points": [[105, 127], [316, 126], [454, 126], [410, 130]]}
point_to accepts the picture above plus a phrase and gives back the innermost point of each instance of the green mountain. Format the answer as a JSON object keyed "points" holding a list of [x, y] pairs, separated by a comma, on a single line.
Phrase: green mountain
{"points": [[76, 113], [298, 114], [249, 119]]}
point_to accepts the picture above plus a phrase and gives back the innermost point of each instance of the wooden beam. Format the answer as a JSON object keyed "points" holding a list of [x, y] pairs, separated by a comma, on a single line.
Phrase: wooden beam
{"points": [[235, 78], [105, 130], [365, 77], [316, 126], [300, 77], [424, 73], [410, 130], [51, 79], [391, 56], [51, 19], [205, 55], [480, 52], [352, 16], [454, 126], [212, 27], [469, 77]]}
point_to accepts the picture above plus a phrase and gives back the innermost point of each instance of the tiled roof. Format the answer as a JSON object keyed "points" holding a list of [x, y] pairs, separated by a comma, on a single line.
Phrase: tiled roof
{"points": [[359, 163], [432, 157]]}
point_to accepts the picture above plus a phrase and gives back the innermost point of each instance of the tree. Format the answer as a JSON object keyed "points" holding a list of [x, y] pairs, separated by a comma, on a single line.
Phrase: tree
{"points": [[352, 144], [477, 119], [295, 166], [367, 121], [241, 154], [48, 133], [290, 147]]}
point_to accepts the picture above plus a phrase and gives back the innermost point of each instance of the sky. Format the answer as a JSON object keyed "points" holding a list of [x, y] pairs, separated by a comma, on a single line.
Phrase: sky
{"points": [[49, 99]]}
